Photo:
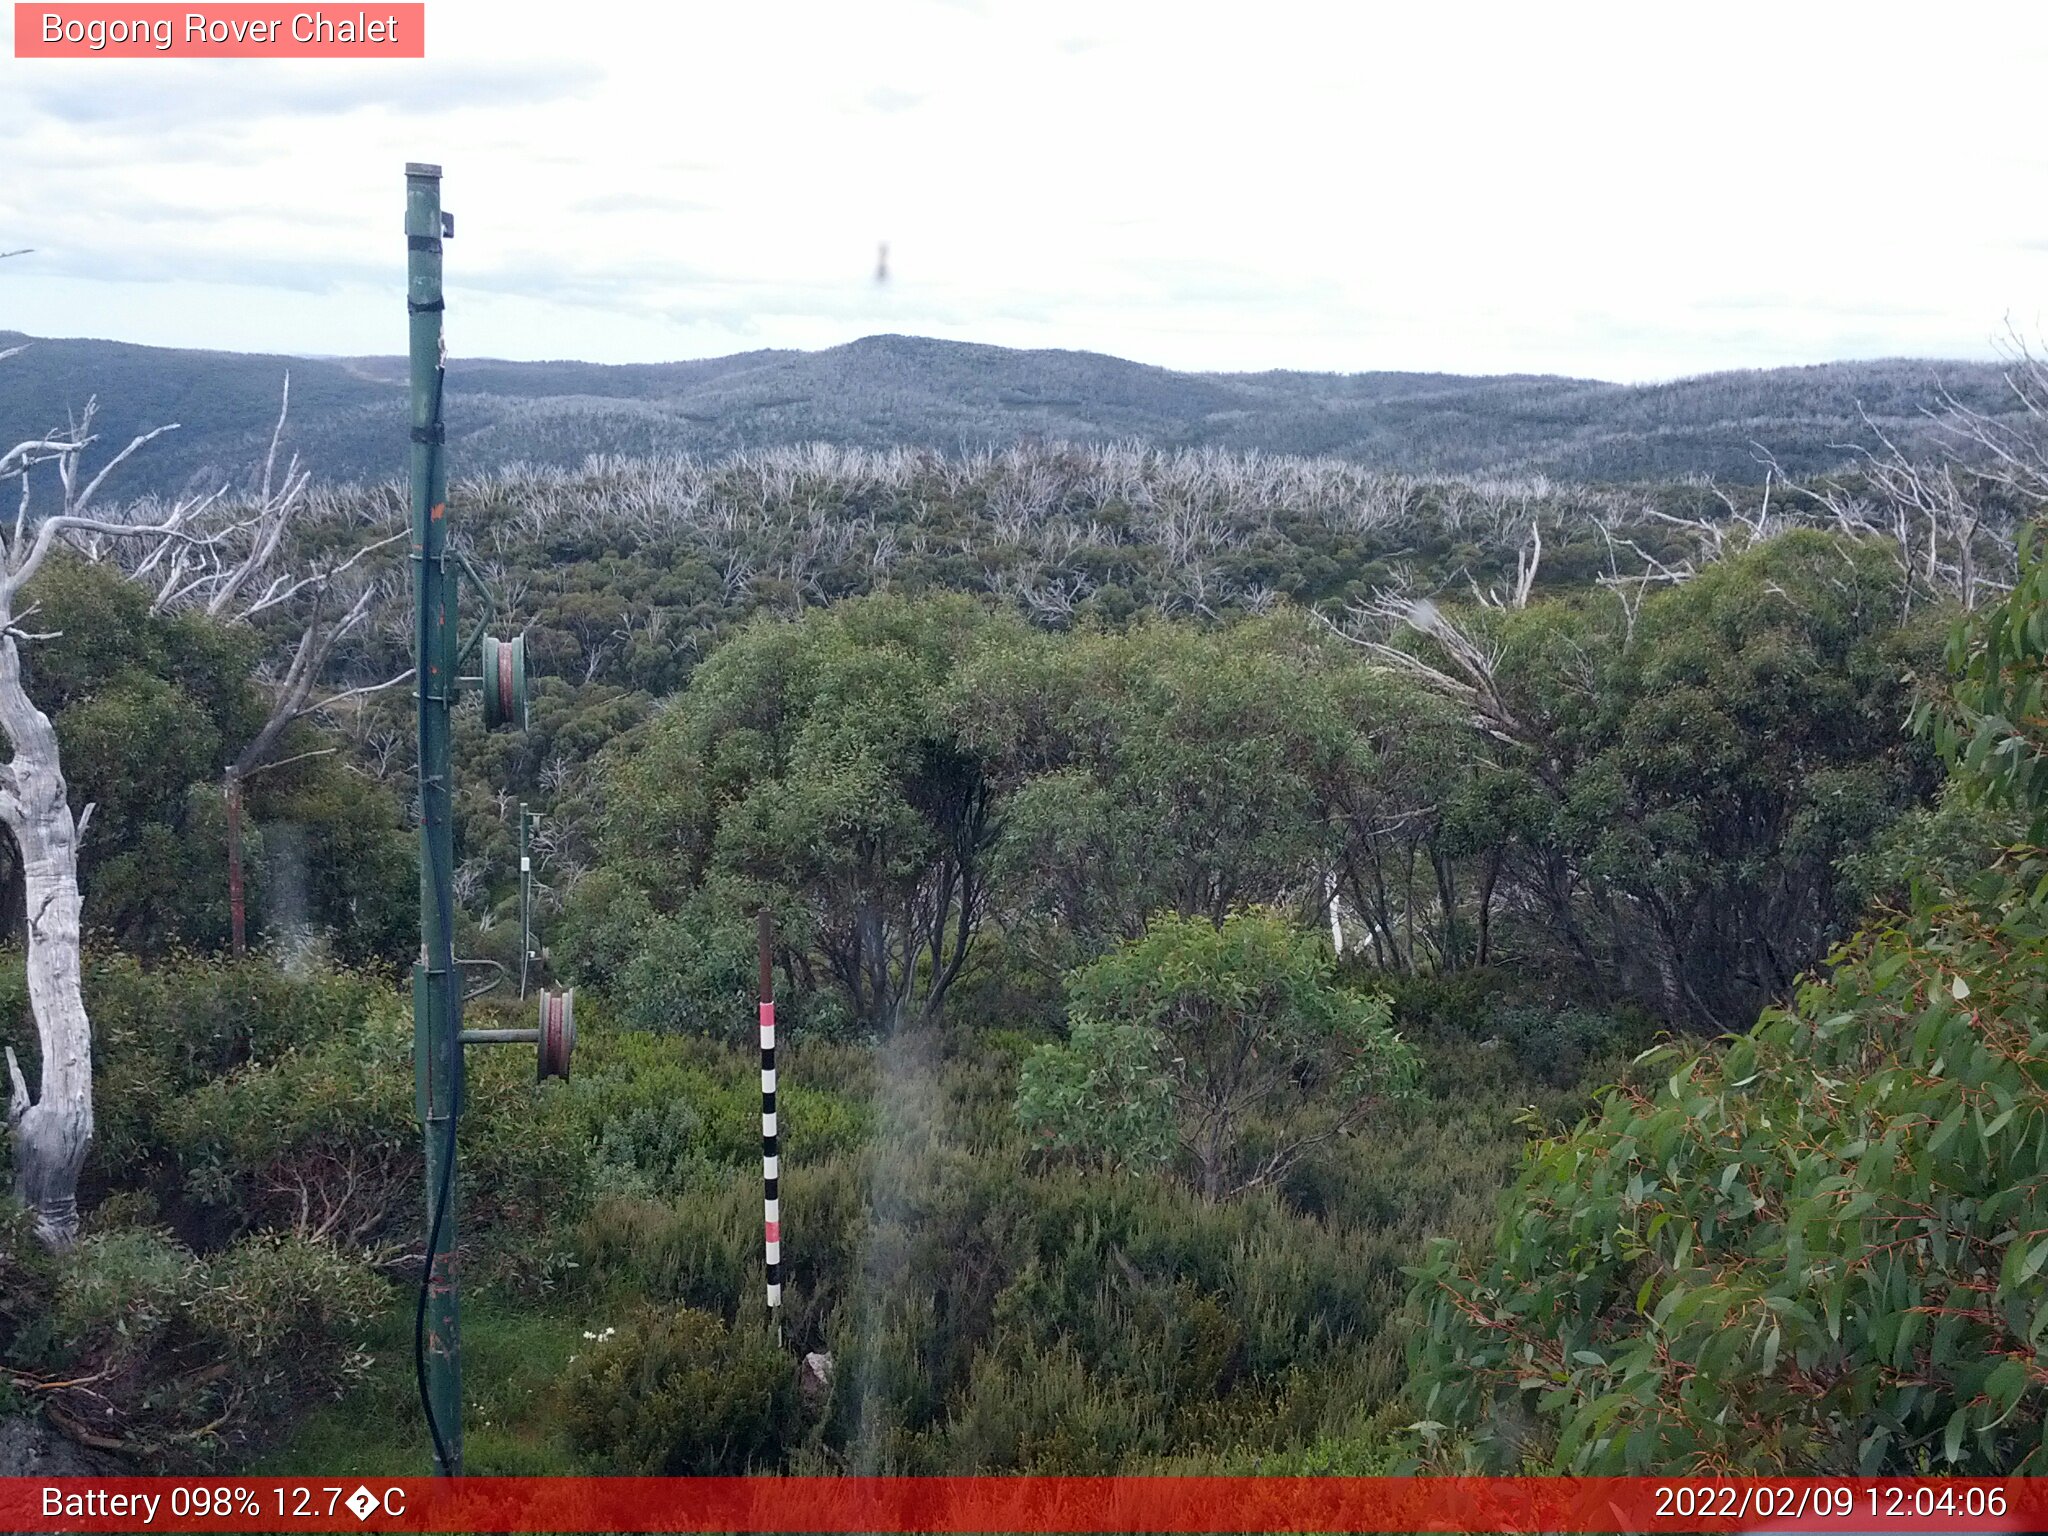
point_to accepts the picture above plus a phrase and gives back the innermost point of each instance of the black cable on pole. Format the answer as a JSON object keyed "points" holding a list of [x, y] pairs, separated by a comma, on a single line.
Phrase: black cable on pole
{"points": [[419, 1324], [447, 1184]]}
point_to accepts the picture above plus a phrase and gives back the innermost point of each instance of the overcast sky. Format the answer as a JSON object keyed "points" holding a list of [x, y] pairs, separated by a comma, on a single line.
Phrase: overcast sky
{"points": [[1632, 192]]}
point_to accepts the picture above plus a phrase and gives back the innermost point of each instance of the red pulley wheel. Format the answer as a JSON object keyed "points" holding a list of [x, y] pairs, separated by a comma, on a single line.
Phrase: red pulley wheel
{"points": [[557, 1031], [503, 683], [508, 706]]}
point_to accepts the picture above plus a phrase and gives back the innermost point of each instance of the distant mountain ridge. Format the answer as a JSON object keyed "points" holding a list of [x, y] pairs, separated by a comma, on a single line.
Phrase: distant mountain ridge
{"points": [[348, 414]]}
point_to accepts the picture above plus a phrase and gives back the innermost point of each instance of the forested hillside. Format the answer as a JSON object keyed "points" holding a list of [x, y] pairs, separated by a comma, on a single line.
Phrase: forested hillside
{"points": [[1203, 883], [893, 391]]}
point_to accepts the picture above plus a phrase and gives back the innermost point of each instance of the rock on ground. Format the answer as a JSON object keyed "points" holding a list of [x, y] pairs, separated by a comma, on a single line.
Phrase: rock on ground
{"points": [[31, 1448]]}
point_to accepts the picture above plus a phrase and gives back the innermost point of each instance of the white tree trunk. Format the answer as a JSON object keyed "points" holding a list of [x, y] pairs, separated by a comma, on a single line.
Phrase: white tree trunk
{"points": [[53, 1132]]}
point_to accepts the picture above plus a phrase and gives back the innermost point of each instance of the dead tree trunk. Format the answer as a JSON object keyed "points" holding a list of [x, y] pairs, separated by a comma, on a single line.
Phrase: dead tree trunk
{"points": [[52, 1131]]}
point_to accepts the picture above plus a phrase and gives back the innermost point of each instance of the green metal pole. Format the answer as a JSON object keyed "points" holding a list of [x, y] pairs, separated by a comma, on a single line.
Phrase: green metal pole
{"points": [[437, 1001]]}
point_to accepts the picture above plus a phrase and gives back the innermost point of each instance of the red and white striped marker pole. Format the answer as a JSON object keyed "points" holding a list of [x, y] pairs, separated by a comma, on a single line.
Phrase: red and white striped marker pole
{"points": [[771, 1160]]}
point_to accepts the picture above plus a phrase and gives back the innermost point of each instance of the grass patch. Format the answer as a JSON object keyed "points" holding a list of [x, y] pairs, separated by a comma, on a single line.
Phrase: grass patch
{"points": [[513, 1361]]}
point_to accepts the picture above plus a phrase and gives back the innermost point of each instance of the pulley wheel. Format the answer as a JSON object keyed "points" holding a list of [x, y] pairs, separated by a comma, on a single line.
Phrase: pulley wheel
{"points": [[504, 682], [557, 1031]]}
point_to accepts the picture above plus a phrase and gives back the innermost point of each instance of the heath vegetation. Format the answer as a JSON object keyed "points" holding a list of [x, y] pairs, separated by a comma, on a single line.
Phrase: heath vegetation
{"points": [[1285, 966]]}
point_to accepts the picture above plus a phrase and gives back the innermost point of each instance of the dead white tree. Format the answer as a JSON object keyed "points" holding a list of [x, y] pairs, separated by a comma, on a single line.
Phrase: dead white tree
{"points": [[1469, 677], [1528, 559], [52, 1129], [1949, 518], [202, 551]]}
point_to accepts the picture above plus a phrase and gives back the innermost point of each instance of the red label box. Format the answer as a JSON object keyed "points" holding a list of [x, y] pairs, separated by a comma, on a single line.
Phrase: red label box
{"points": [[973, 1506], [229, 31]]}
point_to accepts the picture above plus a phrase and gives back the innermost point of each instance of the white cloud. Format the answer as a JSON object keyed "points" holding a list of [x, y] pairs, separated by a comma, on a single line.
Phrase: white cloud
{"points": [[1623, 191]]}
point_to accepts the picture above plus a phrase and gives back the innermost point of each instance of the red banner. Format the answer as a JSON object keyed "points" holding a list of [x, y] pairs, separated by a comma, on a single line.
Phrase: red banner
{"points": [[1020, 1504], [225, 31]]}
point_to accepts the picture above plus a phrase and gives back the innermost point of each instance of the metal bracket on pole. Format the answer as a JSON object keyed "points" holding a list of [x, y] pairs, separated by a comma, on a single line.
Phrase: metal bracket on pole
{"points": [[491, 605]]}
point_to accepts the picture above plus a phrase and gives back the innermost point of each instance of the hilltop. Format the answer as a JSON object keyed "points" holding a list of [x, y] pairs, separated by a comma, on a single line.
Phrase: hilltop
{"points": [[887, 391]]}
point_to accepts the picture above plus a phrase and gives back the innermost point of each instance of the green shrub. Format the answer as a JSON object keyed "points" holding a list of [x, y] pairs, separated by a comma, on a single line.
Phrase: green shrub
{"points": [[184, 1357], [701, 1252], [1931, 847], [1557, 1045], [666, 1113], [1043, 1413], [705, 1251], [929, 1259], [323, 1136], [126, 1208], [692, 973], [1445, 1003], [163, 1031], [681, 1394], [652, 1150], [1818, 1249], [1227, 1043], [289, 1302], [1002, 988], [118, 1291], [324, 1139], [1101, 1094], [28, 1282], [1815, 1251]]}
